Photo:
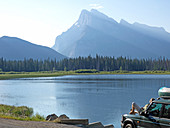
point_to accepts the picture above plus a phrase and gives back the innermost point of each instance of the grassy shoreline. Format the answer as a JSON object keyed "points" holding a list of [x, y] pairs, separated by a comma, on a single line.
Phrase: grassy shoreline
{"points": [[19, 113], [13, 75]]}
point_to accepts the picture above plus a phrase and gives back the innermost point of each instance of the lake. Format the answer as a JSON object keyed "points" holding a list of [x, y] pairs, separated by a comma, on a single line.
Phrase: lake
{"points": [[96, 97]]}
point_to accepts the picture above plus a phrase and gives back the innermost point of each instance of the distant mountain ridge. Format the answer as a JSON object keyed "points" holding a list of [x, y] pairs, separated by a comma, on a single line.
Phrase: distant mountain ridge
{"points": [[95, 33], [12, 48], [158, 32]]}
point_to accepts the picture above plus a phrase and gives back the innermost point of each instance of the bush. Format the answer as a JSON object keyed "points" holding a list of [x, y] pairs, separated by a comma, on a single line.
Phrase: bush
{"points": [[86, 71], [19, 113], [22, 111], [37, 117]]}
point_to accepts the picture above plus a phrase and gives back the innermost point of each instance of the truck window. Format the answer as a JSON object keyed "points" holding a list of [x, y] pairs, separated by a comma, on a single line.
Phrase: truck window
{"points": [[155, 109], [166, 113]]}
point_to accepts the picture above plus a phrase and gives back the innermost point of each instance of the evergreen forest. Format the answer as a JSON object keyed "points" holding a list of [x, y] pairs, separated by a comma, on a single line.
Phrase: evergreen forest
{"points": [[100, 63]]}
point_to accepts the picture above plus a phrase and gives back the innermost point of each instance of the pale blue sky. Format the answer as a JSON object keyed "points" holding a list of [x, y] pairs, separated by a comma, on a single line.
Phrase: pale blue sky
{"points": [[40, 21]]}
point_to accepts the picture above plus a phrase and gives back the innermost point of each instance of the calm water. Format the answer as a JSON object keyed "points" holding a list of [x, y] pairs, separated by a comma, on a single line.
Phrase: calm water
{"points": [[96, 97]]}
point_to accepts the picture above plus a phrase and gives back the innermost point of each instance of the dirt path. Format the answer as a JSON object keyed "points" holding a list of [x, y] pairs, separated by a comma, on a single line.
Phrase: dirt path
{"points": [[9, 123]]}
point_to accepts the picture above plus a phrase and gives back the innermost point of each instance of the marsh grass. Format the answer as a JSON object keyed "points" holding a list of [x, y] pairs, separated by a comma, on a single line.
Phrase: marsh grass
{"points": [[19, 113], [86, 71], [13, 75]]}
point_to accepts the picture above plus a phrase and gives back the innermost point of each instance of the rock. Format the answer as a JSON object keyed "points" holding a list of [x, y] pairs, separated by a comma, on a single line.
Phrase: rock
{"points": [[108, 126], [95, 125], [75, 121], [63, 117], [51, 117]]}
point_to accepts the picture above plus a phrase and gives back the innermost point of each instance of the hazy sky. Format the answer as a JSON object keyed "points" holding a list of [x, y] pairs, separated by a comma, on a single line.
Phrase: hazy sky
{"points": [[40, 21]]}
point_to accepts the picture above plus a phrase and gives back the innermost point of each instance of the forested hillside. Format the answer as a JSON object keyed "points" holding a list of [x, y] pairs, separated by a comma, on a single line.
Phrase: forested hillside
{"points": [[99, 63]]}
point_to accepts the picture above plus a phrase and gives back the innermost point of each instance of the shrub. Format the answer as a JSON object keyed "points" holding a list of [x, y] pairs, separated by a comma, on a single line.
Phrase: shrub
{"points": [[19, 113], [37, 117], [86, 71], [22, 111]]}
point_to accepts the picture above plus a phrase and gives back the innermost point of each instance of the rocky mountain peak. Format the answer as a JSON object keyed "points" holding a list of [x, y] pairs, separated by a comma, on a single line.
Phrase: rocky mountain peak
{"points": [[87, 16], [84, 17], [99, 14], [96, 33]]}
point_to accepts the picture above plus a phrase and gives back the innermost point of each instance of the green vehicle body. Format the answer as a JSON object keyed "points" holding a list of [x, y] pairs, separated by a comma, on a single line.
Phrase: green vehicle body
{"points": [[157, 115]]}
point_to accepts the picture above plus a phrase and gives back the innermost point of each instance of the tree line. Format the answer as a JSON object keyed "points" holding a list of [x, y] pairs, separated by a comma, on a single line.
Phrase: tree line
{"points": [[100, 63]]}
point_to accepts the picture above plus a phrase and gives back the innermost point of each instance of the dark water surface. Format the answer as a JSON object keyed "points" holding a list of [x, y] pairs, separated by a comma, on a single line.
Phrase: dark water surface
{"points": [[96, 97]]}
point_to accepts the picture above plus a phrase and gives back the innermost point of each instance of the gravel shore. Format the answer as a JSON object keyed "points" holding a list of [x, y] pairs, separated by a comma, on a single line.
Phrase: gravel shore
{"points": [[10, 123]]}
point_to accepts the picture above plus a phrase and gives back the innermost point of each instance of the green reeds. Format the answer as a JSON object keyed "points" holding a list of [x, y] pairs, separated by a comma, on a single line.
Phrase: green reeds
{"points": [[19, 113]]}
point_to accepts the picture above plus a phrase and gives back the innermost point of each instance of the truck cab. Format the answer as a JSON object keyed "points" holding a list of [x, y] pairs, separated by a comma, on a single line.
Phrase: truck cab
{"points": [[157, 115]]}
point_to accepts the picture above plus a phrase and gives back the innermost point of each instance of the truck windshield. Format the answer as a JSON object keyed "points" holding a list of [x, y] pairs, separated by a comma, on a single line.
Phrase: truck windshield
{"points": [[154, 109]]}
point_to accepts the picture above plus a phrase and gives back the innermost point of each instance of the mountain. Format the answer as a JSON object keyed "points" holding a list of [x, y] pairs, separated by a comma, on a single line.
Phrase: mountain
{"points": [[156, 32], [12, 48], [95, 33]]}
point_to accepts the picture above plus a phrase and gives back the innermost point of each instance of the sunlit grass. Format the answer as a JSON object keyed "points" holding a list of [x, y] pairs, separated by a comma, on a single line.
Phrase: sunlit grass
{"points": [[13, 75], [9, 75], [19, 113]]}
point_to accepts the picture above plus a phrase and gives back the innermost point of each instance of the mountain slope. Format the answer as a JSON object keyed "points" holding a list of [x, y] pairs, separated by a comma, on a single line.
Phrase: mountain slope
{"points": [[13, 48], [108, 48], [95, 33], [156, 32]]}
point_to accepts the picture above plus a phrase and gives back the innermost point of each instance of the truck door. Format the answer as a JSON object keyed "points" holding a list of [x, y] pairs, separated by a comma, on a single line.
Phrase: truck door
{"points": [[165, 118], [151, 120]]}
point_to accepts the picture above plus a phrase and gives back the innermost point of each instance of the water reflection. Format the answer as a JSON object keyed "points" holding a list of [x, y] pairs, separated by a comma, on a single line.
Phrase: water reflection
{"points": [[97, 97]]}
